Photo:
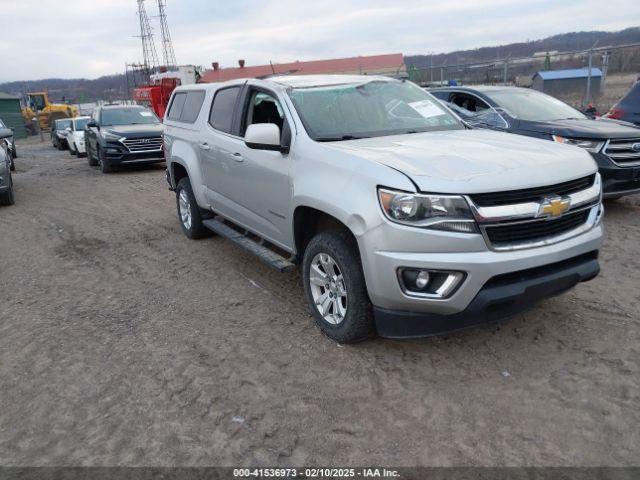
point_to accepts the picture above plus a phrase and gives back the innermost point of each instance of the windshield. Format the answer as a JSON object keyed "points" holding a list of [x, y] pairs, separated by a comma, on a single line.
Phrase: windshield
{"points": [[372, 109], [80, 124], [62, 124], [532, 105], [128, 116]]}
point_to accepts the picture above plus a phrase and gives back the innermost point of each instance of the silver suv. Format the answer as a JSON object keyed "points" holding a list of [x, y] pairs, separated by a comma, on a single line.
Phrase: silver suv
{"points": [[406, 222]]}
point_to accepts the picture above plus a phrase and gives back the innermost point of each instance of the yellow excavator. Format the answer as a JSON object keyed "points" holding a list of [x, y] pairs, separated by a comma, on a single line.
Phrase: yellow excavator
{"points": [[38, 106]]}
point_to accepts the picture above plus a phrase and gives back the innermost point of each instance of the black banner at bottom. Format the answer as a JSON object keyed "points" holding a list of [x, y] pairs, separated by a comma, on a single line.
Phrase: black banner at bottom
{"points": [[337, 473]]}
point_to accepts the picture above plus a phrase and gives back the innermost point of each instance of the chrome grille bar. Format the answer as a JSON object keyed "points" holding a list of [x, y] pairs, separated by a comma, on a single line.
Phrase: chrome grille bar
{"points": [[624, 152]]}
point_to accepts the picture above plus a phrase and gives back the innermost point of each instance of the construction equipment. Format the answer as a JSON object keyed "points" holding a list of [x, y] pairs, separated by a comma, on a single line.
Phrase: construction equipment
{"points": [[38, 106]]}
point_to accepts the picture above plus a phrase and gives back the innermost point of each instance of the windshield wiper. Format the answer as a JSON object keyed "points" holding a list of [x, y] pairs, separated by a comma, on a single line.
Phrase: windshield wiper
{"points": [[339, 139]]}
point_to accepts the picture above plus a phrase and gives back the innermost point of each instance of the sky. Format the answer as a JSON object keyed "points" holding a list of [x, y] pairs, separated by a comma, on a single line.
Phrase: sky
{"points": [[91, 38]]}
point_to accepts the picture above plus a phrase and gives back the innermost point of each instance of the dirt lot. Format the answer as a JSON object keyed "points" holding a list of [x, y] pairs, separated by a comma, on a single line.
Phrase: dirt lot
{"points": [[123, 342]]}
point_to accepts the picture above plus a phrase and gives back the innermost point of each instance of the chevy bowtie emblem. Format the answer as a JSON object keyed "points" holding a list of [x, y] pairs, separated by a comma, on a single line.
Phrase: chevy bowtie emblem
{"points": [[553, 207], [635, 147]]}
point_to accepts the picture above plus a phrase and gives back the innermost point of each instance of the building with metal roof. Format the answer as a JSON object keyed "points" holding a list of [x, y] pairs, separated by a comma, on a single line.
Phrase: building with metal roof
{"points": [[564, 82], [392, 64], [11, 114]]}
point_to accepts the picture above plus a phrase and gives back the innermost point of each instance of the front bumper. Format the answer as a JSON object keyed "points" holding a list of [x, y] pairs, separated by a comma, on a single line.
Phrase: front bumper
{"points": [[617, 180], [502, 296]]}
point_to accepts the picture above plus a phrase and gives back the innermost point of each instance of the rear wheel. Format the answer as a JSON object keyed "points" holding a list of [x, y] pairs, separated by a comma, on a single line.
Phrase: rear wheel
{"points": [[6, 198], [189, 212], [335, 287]]}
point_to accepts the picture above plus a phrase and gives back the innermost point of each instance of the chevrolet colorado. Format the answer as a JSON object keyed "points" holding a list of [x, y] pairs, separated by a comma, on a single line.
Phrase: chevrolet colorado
{"points": [[406, 222]]}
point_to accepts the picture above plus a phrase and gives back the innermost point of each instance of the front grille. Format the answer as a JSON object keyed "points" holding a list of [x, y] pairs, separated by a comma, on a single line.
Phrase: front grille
{"points": [[621, 151], [531, 194], [535, 230], [143, 144]]}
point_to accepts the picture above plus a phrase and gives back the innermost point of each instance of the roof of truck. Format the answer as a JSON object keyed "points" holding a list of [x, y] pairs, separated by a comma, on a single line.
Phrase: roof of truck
{"points": [[306, 81]]}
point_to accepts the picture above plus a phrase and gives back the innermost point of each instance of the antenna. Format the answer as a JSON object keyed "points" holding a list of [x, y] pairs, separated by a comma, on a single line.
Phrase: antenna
{"points": [[167, 46], [149, 55]]}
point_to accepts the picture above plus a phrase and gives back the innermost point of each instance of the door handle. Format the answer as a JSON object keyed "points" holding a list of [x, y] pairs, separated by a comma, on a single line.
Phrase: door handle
{"points": [[238, 157], [205, 146]]}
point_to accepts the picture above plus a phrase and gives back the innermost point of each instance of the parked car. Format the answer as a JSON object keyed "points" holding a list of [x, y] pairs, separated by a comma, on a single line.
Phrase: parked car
{"points": [[75, 135], [6, 180], [11, 144], [59, 133], [123, 135], [614, 145], [405, 221], [628, 107]]}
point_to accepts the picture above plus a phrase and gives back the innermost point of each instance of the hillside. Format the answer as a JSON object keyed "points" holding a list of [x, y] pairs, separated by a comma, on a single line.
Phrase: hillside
{"points": [[564, 42]]}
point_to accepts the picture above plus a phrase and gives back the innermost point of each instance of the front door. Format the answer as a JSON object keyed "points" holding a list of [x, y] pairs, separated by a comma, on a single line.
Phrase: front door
{"points": [[252, 186]]}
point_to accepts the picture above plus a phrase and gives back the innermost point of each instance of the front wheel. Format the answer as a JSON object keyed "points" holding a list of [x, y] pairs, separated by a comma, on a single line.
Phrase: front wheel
{"points": [[72, 151], [91, 160], [335, 287], [105, 166], [189, 212]]}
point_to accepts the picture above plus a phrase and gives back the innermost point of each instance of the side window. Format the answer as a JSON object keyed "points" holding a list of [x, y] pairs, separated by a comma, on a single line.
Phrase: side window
{"points": [[192, 106], [441, 95], [177, 105], [262, 108], [224, 102], [469, 102]]}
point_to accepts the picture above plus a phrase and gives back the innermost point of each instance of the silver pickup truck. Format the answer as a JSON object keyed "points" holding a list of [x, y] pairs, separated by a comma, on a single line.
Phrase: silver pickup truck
{"points": [[406, 222]]}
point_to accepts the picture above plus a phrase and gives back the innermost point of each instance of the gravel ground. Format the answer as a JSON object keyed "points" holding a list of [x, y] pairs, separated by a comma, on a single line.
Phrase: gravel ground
{"points": [[124, 343]]}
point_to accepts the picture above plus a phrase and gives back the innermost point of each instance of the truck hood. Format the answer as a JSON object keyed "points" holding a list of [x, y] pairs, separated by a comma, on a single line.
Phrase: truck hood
{"points": [[473, 161], [583, 128]]}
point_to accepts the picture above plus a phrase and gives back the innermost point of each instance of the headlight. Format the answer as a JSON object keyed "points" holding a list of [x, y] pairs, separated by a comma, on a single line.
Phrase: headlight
{"points": [[111, 136], [590, 145], [440, 212]]}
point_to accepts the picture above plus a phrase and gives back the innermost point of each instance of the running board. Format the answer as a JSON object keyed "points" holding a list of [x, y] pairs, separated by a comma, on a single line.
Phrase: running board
{"points": [[269, 257]]}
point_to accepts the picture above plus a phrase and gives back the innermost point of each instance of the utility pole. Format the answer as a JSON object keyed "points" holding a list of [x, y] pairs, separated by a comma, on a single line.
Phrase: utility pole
{"points": [[588, 95], [168, 54], [149, 55], [431, 69]]}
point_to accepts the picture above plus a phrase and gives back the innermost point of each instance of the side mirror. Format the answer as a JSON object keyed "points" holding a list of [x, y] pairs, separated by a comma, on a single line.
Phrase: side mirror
{"points": [[6, 133], [68, 129], [263, 136], [92, 124]]}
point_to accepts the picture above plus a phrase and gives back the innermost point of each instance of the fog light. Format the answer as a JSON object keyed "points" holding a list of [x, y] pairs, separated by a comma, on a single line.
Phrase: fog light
{"points": [[429, 283], [112, 150], [422, 279]]}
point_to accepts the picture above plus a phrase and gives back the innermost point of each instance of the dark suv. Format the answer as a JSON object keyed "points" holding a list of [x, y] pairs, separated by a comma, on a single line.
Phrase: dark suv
{"points": [[614, 145], [123, 135]]}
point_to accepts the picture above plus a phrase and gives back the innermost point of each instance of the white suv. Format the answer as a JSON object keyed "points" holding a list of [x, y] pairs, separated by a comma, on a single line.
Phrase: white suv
{"points": [[406, 221]]}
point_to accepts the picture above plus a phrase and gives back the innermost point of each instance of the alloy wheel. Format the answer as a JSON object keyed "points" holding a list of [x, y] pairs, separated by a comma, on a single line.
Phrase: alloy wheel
{"points": [[328, 288], [185, 209]]}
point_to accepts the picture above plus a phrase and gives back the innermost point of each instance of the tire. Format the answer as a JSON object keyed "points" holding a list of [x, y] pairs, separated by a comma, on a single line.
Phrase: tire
{"points": [[91, 160], [7, 198], [12, 165], [72, 152], [193, 228], [15, 152], [105, 166], [356, 323]]}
